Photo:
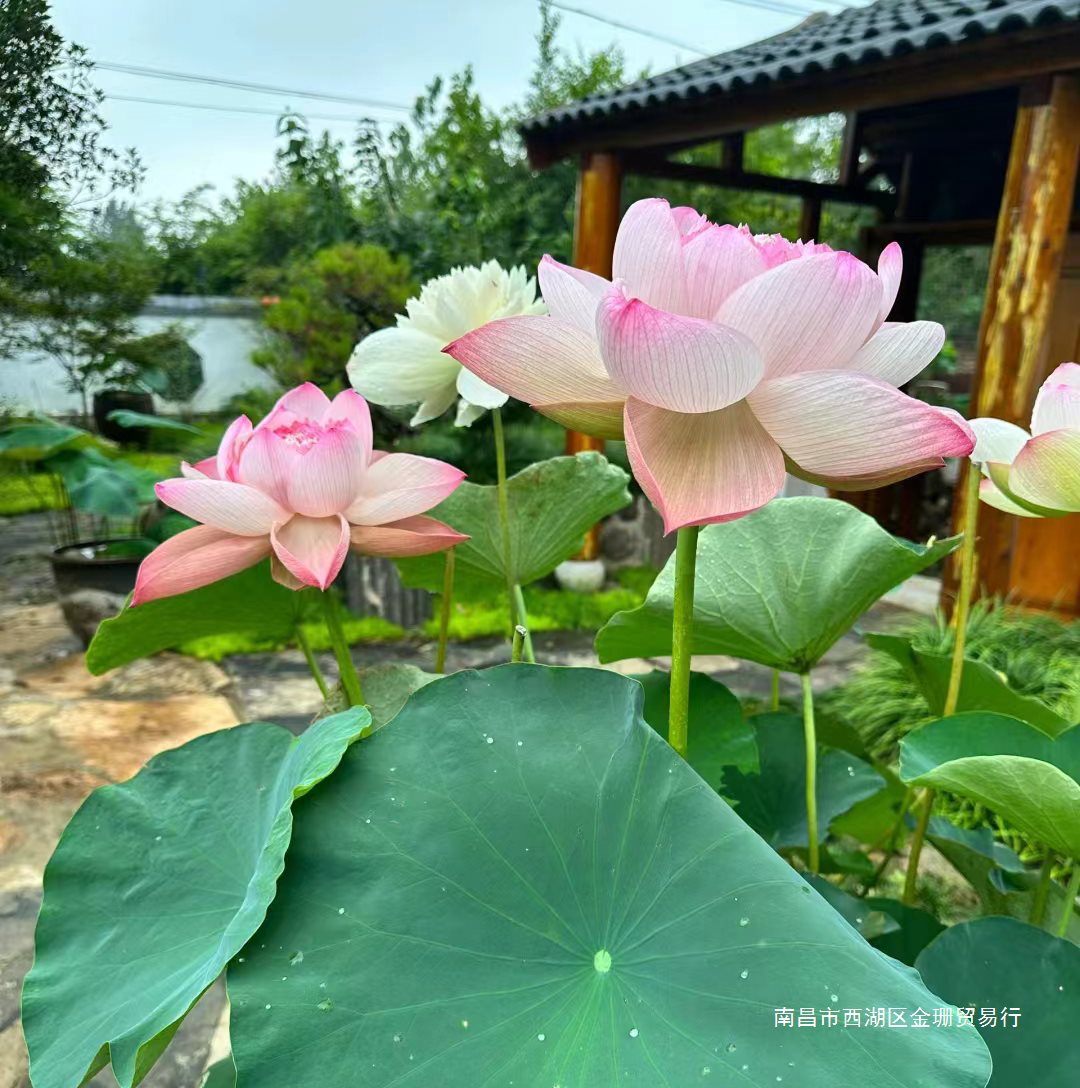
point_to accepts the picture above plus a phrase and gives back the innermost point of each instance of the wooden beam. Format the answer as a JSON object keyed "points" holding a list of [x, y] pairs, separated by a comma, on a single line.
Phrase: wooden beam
{"points": [[1025, 269], [653, 166], [596, 221], [998, 60]]}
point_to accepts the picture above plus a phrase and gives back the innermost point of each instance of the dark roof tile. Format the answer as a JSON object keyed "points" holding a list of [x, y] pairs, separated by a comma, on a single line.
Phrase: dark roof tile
{"points": [[853, 36]]}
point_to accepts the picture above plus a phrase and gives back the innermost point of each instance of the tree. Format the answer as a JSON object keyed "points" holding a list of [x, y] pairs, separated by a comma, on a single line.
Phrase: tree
{"points": [[82, 312], [331, 301], [52, 153]]}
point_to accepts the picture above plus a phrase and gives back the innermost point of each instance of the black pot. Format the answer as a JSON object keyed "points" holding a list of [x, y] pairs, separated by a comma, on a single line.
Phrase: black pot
{"points": [[134, 400], [107, 568]]}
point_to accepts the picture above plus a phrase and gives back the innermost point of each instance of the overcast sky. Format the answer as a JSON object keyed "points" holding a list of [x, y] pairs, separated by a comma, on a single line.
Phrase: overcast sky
{"points": [[380, 49]]}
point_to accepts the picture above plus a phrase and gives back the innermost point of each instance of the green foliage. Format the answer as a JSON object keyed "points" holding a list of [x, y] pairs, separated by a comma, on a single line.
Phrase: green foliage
{"points": [[548, 610], [164, 866], [1037, 655], [518, 880], [551, 504], [358, 629], [999, 963], [778, 587], [328, 303]]}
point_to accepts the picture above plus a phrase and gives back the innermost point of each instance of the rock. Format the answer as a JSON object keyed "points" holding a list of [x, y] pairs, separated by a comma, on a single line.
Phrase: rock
{"points": [[85, 609]]}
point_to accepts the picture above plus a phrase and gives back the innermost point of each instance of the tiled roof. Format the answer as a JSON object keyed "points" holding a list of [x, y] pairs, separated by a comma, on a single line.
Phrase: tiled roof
{"points": [[854, 36]]}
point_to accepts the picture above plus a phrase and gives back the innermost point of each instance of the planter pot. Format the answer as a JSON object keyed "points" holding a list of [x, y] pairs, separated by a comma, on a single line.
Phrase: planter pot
{"points": [[581, 575], [93, 579], [108, 400]]}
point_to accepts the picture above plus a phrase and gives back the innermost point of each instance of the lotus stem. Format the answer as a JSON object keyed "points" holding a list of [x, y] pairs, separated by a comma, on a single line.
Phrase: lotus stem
{"points": [[445, 607], [774, 703], [926, 805], [520, 634], [1042, 891], [504, 517], [682, 637], [304, 643], [523, 622], [889, 842], [347, 674], [1070, 901], [968, 555], [810, 735], [967, 585]]}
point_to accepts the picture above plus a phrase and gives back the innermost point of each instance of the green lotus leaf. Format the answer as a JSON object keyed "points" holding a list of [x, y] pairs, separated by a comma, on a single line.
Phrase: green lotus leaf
{"points": [[248, 602], [998, 963], [156, 883], [773, 801], [517, 881], [1029, 779], [778, 587], [552, 506]]}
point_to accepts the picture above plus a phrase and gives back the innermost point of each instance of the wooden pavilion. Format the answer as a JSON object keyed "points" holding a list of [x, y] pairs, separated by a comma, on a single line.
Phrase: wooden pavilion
{"points": [[970, 113]]}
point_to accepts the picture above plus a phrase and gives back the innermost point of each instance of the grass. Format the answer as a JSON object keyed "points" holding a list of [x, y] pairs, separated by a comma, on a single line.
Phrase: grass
{"points": [[1037, 655], [358, 629], [23, 493]]}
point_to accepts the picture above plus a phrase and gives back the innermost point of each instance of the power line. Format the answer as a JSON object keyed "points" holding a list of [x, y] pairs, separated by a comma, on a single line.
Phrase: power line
{"points": [[777, 7], [632, 29], [243, 85], [232, 109]]}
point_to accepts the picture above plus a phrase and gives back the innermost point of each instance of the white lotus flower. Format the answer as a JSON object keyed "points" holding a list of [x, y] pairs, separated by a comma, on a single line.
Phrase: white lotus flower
{"points": [[1036, 473], [406, 364]]}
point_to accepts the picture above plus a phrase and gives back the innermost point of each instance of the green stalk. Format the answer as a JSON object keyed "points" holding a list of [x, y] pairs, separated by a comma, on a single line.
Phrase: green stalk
{"points": [[968, 553], [810, 735], [518, 644], [504, 518], [1070, 901], [775, 701], [350, 680], [305, 645], [522, 617], [1042, 892], [445, 606], [682, 635]]}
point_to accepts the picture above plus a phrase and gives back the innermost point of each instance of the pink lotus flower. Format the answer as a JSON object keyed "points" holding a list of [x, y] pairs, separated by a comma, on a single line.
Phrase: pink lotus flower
{"points": [[723, 358], [302, 487], [1036, 474]]}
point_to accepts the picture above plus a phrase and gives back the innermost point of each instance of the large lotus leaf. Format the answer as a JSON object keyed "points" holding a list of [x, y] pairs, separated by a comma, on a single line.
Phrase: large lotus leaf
{"points": [[40, 439], [250, 601], [100, 485], [773, 801], [996, 964], [552, 505], [221, 1074], [386, 688], [156, 883], [518, 882], [719, 735], [980, 687], [778, 587], [1030, 780]]}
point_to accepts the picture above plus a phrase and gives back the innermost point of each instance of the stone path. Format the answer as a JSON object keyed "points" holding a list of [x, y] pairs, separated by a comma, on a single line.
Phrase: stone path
{"points": [[64, 732]]}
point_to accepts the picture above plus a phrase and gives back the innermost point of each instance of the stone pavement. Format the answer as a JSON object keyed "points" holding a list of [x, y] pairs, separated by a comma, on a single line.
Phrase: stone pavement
{"points": [[64, 732]]}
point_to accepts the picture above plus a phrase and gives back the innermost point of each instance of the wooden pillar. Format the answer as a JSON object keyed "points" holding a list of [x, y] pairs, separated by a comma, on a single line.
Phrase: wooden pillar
{"points": [[1025, 269], [810, 219], [596, 221]]}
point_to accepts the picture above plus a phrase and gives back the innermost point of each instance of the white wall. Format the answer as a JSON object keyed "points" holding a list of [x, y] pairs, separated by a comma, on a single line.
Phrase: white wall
{"points": [[224, 340]]}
